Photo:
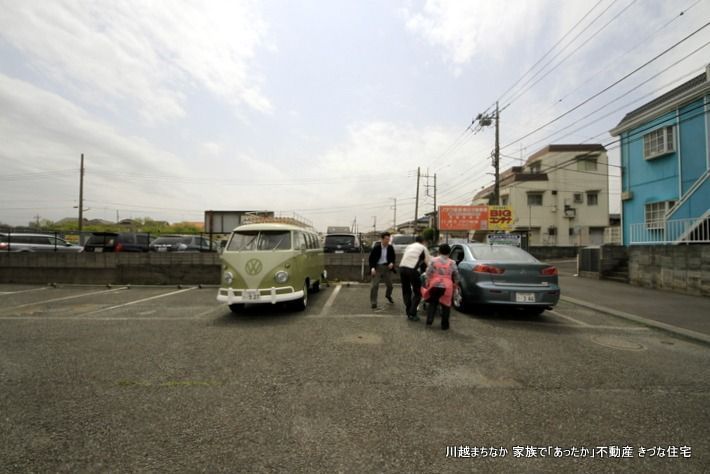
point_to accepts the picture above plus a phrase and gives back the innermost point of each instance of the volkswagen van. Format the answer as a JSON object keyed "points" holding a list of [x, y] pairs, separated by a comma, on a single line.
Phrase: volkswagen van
{"points": [[271, 263]]}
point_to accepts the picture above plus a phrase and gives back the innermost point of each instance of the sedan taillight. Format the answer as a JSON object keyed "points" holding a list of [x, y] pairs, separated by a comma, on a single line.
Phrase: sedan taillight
{"points": [[119, 247], [480, 268], [3, 245], [549, 271]]}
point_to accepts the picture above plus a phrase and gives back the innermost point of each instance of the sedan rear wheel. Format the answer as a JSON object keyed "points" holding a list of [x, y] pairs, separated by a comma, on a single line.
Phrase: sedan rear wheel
{"points": [[458, 298]]}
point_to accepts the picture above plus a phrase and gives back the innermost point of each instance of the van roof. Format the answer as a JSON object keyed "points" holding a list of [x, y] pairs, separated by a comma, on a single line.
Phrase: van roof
{"points": [[271, 226]]}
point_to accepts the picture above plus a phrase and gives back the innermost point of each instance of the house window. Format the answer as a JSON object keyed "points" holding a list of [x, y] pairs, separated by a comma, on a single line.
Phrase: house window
{"points": [[592, 198], [658, 142], [534, 199], [578, 199], [587, 163], [504, 200], [535, 167], [656, 213]]}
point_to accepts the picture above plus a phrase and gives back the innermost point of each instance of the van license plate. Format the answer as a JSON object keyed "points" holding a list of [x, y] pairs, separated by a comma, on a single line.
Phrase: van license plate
{"points": [[340, 251], [524, 297], [98, 249], [250, 295]]}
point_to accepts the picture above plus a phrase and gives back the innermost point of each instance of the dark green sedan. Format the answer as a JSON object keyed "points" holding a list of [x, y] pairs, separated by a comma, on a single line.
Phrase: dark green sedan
{"points": [[503, 275]]}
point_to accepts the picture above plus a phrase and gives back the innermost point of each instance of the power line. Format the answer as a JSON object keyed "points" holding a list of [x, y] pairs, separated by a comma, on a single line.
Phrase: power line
{"points": [[549, 71], [615, 83], [500, 98]]}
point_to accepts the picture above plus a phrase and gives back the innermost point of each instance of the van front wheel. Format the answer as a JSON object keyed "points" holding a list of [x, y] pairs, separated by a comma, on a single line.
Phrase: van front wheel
{"points": [[302, 304]]}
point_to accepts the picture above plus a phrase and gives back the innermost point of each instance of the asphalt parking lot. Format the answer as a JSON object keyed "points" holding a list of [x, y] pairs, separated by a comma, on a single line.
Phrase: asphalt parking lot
{"points": [[96, 379]]}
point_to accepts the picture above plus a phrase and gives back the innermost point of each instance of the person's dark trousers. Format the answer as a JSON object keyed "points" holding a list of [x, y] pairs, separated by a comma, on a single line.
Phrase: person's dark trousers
{"points": [[381, 273], [411, 283], [434, 295]]}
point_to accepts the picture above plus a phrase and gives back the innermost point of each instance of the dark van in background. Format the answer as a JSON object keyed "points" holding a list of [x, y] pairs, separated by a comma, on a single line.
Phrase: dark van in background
{"points": [[117, 242], [341, 243]]}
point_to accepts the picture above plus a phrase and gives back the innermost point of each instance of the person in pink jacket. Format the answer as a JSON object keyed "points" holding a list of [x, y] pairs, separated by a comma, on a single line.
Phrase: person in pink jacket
{"points": [[441, 276]]}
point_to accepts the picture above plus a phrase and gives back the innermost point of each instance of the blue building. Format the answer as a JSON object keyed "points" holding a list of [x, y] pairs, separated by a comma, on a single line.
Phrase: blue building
{"points": [[665, 159]]}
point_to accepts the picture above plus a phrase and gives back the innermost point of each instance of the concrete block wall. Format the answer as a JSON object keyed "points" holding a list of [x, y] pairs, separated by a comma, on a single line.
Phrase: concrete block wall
{"points": [[682, 268], [611, 256], [120, 268]]}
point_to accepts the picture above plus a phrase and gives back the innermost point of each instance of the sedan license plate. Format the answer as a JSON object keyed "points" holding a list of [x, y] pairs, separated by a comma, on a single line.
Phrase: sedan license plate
{"points": [[524, 297], [340, 251], [250, 295], [162, 249], [98, 249]]}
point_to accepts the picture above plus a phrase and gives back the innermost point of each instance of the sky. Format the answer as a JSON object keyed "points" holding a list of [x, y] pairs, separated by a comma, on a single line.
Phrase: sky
{"points": [[324, 109]]}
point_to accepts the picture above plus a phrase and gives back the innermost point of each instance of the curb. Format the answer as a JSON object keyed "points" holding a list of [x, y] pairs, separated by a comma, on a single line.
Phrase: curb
{"points": [[678, 331]]}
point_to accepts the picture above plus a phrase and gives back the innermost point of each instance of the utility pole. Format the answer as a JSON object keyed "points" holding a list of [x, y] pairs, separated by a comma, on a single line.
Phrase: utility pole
{"points": [[81, 200], [374, 225], [428, 194], [496, 196], [436, 211], [394, 218], [416, 202], [484, 121]]}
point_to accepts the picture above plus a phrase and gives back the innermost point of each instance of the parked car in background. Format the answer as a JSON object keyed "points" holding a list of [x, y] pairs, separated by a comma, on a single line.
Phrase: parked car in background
{"points": [[503, 275], [400, 242], [183, 243], [117, 242], [341, 243], [16, 242]]}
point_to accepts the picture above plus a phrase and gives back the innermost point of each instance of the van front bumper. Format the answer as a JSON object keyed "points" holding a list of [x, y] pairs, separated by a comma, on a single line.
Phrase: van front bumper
{"points": [[271, 295]]}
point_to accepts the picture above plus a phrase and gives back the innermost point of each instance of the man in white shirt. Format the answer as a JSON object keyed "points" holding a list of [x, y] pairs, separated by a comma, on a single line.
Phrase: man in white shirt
{"points": [[414, 256]]}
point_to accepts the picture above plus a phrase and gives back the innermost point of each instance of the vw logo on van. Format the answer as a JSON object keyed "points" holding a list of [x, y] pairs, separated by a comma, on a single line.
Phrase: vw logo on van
{"points": [[253, 267]]}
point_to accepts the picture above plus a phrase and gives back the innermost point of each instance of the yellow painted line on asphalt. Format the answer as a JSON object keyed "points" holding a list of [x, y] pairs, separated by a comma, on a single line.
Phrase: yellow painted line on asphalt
{"points": [[569, 318], [65, 298], [142, 300], [3, 293]]}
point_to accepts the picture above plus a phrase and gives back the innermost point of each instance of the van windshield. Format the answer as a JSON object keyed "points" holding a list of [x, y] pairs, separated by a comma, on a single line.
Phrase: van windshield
{"points": [[260, 240]]}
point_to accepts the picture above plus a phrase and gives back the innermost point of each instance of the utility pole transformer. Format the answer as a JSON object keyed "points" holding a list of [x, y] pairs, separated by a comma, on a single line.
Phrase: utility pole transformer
{"points": [[484, 121]]}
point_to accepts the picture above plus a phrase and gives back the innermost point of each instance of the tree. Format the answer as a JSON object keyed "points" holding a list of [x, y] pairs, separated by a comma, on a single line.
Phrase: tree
{"points": [[430, 235]]}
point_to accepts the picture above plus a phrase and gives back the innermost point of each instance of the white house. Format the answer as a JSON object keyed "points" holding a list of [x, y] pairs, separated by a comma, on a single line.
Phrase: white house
{"points": [[560, 195]]}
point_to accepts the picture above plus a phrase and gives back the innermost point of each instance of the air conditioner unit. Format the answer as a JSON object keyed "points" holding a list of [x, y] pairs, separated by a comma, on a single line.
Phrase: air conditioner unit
{"points": [[570, 213]]}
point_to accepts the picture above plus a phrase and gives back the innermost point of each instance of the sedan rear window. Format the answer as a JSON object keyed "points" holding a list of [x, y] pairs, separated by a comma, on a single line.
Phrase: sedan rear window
{"points": [[260, 240], [501, 253]]}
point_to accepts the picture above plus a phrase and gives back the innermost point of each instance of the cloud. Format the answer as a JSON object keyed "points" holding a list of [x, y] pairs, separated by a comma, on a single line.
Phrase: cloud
{"points": [[43, 132], [148, 55], [463, 29]]}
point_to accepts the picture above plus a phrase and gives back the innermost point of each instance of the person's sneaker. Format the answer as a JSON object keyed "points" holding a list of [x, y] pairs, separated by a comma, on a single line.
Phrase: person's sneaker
{"points": [[389, 298], [374, 306], [414, 318]]}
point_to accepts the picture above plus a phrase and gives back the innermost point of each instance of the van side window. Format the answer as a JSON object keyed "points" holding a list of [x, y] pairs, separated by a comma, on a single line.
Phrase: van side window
{"points": [[299, 240], [312, 244]]}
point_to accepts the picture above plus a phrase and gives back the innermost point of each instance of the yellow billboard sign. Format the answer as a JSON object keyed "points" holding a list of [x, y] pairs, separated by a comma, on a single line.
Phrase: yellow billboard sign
{"points": [[500, 218]]}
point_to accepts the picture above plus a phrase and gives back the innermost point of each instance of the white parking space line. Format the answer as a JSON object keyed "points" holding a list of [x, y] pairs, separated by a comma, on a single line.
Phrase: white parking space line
{"points": [[3, 293], [65, 298], [569, 318], [331, 300], [142, 300]]}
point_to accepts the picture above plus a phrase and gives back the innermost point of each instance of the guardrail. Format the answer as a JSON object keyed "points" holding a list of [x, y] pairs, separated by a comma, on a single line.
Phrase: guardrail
{"points": [[56, 239], [674, 231]]}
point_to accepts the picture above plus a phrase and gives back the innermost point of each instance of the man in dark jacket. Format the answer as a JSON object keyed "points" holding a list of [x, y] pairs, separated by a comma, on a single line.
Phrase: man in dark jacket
{"points": [[381, 267]]}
